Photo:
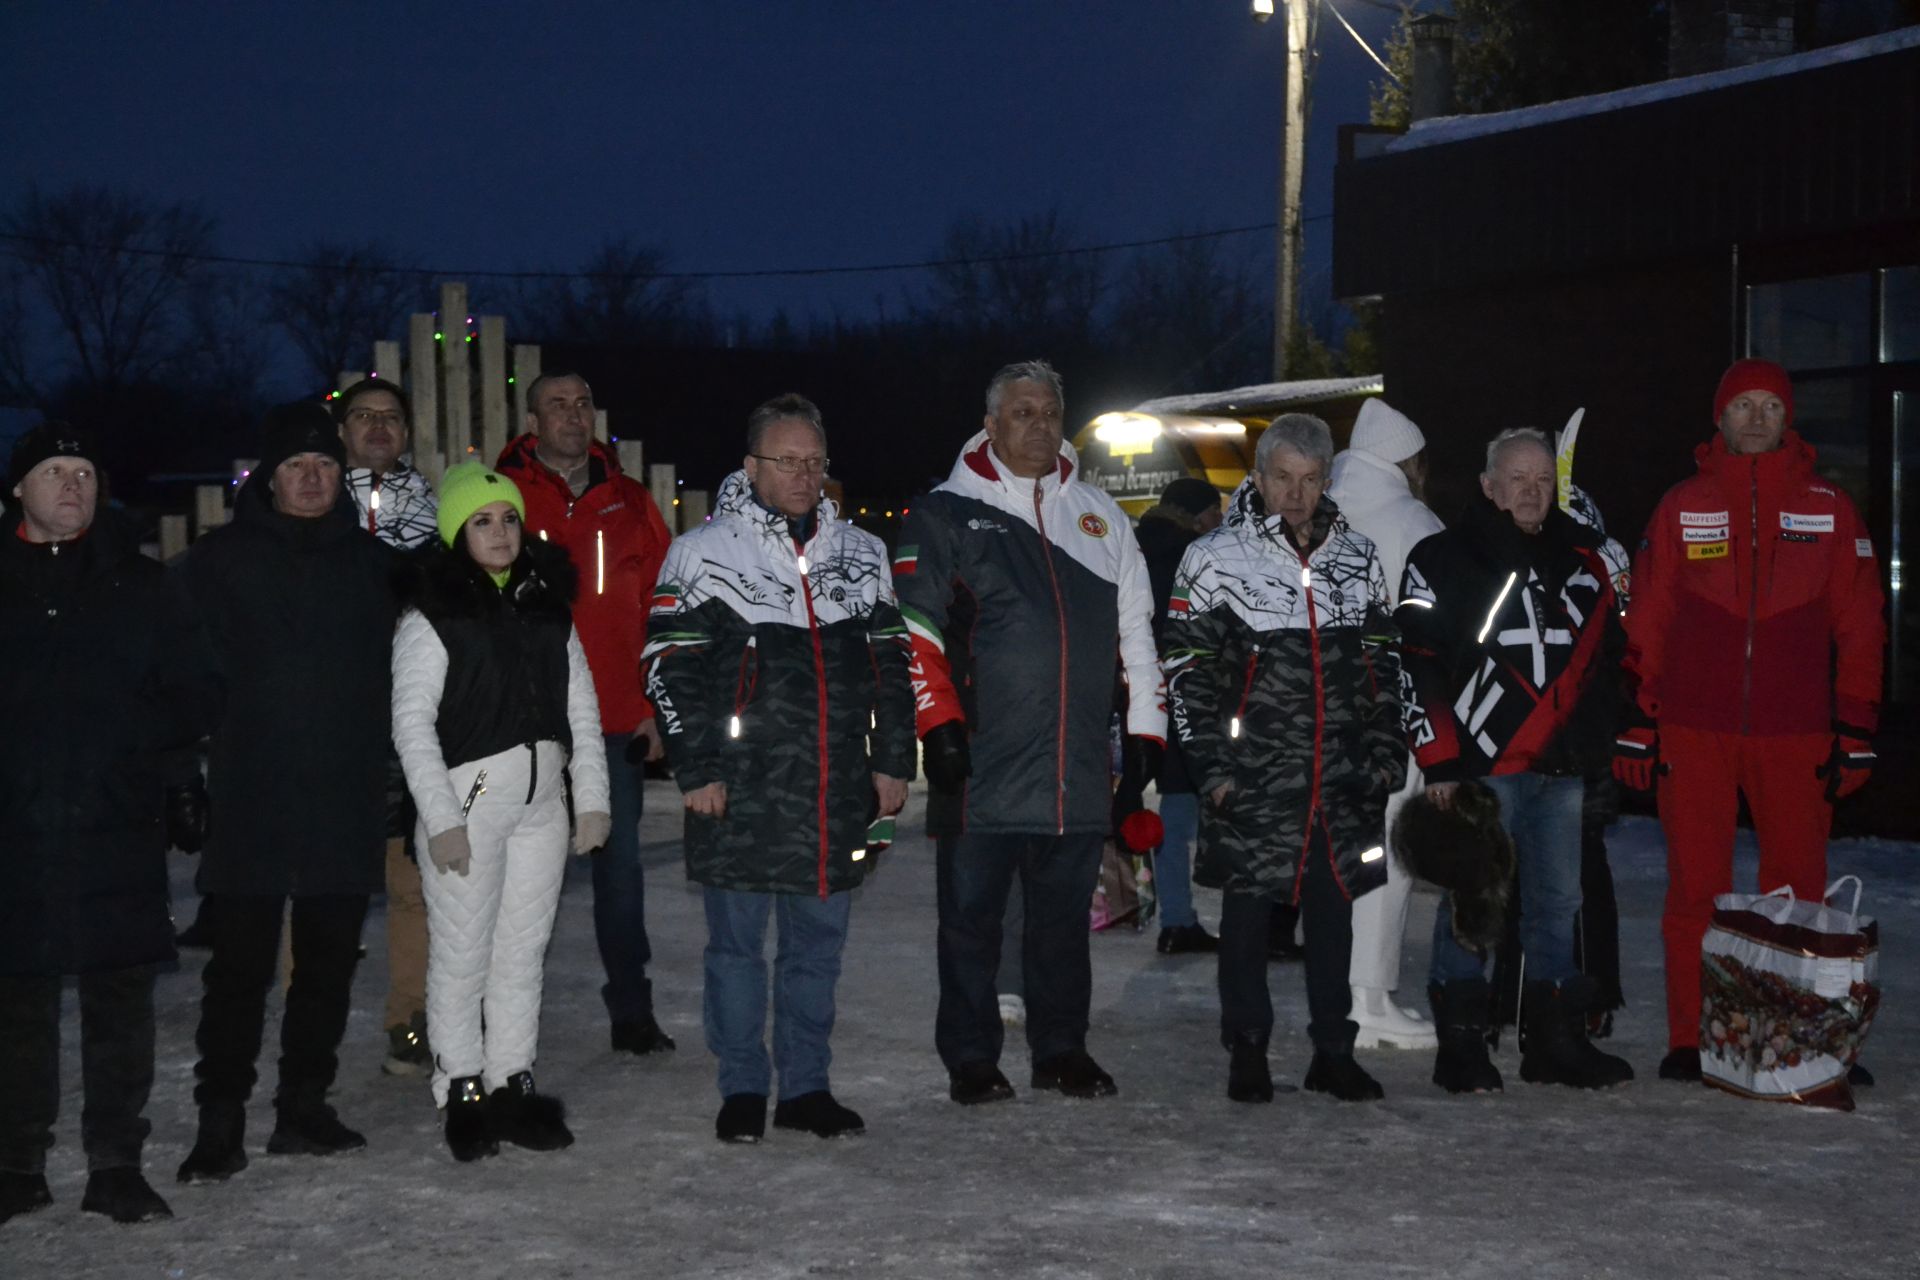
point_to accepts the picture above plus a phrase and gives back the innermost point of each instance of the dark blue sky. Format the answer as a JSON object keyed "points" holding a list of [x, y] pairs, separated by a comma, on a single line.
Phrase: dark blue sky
{"points": [[738, 135]]}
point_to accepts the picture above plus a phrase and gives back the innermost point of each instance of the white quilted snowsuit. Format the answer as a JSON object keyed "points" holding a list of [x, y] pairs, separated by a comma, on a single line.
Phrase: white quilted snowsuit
{"points": [[487, 931]]}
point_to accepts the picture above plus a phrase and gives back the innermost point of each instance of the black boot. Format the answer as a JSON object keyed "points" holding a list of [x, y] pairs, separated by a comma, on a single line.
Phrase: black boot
{"points": [[641, 1036], [1558, 1051], [818, 1114], [742, 1118], [1460, 1019], [123, 1195], [1248, 1077], [1075, 1074], [468, 1135], [974, 1083], [22, 1193], [1337, 1074], [219, 1151], [519, 1114], [1682, 1064], [304, 1125]]}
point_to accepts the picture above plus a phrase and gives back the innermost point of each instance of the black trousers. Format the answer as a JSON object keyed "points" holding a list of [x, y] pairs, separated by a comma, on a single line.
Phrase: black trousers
{"points": [[976, 872], [116, 1067], [1246, 1008], [246, 949]]}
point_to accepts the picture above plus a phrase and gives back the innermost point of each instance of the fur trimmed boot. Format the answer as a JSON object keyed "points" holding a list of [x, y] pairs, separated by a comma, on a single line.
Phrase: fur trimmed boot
{"points": [[519, 1114], [469, 1135], [1557, 1049], [1461, 1064]]}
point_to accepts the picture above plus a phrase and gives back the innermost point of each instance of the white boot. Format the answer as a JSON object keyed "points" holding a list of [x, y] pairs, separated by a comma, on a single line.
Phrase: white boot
{"points": [[1385, 1025], [1013, 1011]]}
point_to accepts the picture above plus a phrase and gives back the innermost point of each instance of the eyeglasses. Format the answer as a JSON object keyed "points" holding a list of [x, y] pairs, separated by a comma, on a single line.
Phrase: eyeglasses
{"points": [[368, 418], [794, 466]]}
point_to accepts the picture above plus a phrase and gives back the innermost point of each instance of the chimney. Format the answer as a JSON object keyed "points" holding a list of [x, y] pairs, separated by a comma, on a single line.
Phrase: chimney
{"points": [[1432, 91], [1713, 35]]}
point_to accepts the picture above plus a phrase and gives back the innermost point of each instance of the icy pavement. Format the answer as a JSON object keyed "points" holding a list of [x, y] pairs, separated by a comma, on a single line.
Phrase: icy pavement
{"points": [[1167, 1180]]}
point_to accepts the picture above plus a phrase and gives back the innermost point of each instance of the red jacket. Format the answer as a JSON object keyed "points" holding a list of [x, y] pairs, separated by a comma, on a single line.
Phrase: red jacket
{"points": [[617, 540], [1756, 600]]}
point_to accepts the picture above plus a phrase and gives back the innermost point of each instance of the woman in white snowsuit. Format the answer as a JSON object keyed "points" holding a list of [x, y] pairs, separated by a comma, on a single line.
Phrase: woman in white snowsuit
{"points": [[493, 712]]}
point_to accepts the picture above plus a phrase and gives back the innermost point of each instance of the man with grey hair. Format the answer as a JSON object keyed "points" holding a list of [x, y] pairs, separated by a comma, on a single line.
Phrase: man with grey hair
{"points": [[1284, 690], [1018, 582], [1513, 643]]}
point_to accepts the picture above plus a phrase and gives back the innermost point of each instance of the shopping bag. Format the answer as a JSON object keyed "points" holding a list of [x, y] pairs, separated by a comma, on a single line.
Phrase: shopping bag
{"points": [[1788, 991], [1116, 898]]}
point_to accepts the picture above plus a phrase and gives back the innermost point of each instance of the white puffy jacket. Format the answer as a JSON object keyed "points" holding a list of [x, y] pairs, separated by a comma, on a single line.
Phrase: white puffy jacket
{"points": [[1374, 496]]}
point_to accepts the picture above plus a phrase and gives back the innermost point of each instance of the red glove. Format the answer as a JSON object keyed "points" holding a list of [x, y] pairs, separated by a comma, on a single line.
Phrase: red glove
{"points": [[1636, 756], [1849, 764]]}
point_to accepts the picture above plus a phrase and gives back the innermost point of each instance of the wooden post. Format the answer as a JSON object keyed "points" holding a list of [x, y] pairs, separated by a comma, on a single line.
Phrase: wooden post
{"points": [[526, 367], [173, 537], [456, 410], [423, 389], [695, 506], [632, 458], [386, 361], [493, 387], [209, 507], [660, 482]]}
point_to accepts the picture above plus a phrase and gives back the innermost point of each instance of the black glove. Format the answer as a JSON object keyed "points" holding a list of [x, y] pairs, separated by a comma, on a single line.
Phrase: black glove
{"points": [[944, 756], [1140, 759], [187, 811]]}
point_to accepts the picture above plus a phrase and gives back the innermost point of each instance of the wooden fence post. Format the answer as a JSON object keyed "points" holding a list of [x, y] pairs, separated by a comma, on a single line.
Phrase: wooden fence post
{"points": [[493, 387], [423, 389], [457, 407], [526, 367]]}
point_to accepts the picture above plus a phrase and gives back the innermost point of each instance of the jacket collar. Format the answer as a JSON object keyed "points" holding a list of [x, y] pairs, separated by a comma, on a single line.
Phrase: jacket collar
{"points": [[978, 463], [1247, 511], [1791, 463], [736, 501]]}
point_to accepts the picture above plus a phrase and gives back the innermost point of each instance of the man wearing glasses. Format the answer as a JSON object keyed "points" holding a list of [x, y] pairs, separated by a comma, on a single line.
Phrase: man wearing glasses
{"points": [[577, 496]]}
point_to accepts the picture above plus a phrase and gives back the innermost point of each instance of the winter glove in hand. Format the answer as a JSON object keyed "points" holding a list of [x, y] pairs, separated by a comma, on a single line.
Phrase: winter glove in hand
{"points": [[450, 851], [1140, 759], [590, 831], [1636, 754], [944, 755], [187, 813], [1849, 764]]}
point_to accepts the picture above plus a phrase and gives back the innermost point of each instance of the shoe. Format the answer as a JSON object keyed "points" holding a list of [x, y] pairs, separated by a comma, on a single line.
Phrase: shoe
{"points": [[976, 1082], [1338, 1075], [641, 1036], [123, 1195], [307, 1127], [22, 1193], [1385, 1025], [743, 1118], [1013, 1011], [469, 1136], [407, 1051], [1557, 1050], [218, 1151], [1075, 1074], [1248, 1077], [1186, 939], [520, 1114], [1859, 1077], [818, 1114], [1682, 1064], [1461, 1065]]}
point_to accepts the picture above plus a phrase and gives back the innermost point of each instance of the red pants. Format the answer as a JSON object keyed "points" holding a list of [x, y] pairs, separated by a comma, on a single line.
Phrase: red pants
{"points": [[1699, 807]]}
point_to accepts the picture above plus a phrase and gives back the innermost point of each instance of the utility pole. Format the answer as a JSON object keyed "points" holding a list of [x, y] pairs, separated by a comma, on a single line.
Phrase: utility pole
{"points": [[1298, 17]]}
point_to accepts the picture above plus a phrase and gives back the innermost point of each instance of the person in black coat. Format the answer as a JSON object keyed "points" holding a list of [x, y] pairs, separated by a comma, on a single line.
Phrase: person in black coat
{"points": [[96, 737], [295, 617]]}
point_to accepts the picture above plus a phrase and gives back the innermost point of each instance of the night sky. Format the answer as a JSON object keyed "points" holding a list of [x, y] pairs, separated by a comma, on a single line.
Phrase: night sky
{"points": [[738, 136]]}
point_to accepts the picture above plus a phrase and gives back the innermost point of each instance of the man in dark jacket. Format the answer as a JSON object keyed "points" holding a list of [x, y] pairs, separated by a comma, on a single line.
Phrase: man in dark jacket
{"points": [[1512, 641], [1018, 581], [99, 733], [778, 664], [1188, 508], [295, 619]]}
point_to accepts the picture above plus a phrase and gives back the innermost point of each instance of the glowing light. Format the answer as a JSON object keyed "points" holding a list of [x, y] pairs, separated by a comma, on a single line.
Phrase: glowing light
{"points": [[1373, 855], [1126, 434], [733, 726], [599, 561], [859, 855], [1233, 730], [1495, 611], [438, 336]]}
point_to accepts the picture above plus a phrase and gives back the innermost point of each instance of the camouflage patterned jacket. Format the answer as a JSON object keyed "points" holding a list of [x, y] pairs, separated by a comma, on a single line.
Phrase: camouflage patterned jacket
{"points": [[780, 670], [1289, 695]]}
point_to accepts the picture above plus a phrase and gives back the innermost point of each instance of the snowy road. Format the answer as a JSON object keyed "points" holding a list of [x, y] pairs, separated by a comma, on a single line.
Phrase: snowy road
{"points": [[1168, 1180]]}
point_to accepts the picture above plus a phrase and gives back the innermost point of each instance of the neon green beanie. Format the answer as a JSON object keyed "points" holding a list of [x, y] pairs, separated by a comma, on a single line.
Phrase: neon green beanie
{"points": [[466, 488]]}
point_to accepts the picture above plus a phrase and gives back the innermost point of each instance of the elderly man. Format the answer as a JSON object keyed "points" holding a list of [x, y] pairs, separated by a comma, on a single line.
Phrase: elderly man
{"points": [[1379, 483], [1018, 581], [1511, 640], [100, 734], [577, 496], [1285, 700], [396, 505], [789, 721], [295, 622], [1756, 635]]}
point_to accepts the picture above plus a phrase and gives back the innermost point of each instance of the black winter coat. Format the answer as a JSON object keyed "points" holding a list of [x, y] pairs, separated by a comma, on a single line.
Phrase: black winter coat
{"points": [[1162, 542], [294, 632], [96, 727]]}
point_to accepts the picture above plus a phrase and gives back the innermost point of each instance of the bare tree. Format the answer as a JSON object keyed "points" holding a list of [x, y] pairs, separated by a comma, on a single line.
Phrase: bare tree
{"points": [[1029, 280], [1192, 311], [340, 301], [622, 296]]}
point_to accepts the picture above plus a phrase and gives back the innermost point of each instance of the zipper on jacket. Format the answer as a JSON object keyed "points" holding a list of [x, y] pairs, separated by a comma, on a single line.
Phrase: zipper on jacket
{"points": [[1753, 595], [744, 683], [820, 698], [1319, 735], [1060, 612], [533, 768], [1246, 692]]}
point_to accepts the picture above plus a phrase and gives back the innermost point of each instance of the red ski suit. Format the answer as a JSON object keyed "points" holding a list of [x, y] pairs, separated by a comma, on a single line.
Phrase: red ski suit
{"points": [[617, 541], [1756, 627]]}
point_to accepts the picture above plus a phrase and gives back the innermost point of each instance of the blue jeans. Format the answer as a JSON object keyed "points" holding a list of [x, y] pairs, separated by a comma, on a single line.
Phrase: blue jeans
{"points": [[806, 966], [1173, 860], [1542, 814], [620, 894]]}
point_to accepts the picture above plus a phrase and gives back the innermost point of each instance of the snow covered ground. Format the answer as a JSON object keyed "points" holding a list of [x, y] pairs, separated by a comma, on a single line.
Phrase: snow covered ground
{"points": [[1167, 1180]]}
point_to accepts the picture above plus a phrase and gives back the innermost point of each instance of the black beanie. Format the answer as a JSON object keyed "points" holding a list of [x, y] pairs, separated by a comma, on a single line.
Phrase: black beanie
{"points": [[300, 426], [49, 440], [1192, 495]]}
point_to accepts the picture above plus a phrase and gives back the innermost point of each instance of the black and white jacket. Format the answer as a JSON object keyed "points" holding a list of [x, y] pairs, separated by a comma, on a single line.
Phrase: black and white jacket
{"points": [[398, 508]]}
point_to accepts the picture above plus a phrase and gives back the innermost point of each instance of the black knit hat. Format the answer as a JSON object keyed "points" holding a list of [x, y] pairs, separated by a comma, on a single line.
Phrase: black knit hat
{"points": [[300, 426], [49, 440], [1192, 495]]}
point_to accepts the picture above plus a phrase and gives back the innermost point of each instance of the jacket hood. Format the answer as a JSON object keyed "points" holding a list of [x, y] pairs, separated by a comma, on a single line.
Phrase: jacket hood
{"points": [[1247, 510], [1794, 456], [977, 463], [444, 583], [520, 453], [253, 507], [735, 498], [1365, 478]]}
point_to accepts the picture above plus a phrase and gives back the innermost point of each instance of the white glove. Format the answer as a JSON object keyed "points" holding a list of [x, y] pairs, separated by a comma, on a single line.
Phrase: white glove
{"points": [[590, 831], [450, 851]]}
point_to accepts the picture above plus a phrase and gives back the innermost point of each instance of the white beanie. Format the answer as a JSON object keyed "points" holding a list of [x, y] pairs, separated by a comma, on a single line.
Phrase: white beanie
{"points": [[1385, 432]]}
